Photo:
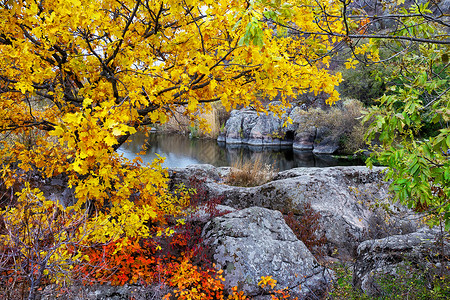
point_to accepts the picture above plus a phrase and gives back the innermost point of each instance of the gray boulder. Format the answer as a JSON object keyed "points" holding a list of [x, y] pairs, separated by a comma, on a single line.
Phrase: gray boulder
{"points": [[249, 127], [267, 131], [342, 195], [203, 172], [304, 140], [238, 126], [422, 253], [325, 142], [203, 215], [256, 242], [305, 133]]}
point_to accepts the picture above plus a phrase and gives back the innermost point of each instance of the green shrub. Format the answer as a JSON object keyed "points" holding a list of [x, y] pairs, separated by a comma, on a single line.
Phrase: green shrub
{"points": [[407, 283], [363, 83], [343, 284], [411, 283]]}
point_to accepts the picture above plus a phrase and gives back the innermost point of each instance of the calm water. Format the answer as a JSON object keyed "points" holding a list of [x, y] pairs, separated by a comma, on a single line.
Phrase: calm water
{"points": [[181, 151]]}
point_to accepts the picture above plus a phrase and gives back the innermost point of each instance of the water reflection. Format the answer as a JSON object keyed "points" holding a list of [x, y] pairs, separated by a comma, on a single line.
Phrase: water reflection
{"points": [[181, 151]]}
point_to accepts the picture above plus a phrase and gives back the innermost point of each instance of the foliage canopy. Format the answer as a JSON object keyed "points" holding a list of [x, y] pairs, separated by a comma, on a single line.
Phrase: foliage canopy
{"points": [[91, 73], [79, 77]]}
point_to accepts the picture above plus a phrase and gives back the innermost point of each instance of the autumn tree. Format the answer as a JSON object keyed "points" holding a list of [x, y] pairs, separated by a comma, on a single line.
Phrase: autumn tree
{"points": [[78, 78]]}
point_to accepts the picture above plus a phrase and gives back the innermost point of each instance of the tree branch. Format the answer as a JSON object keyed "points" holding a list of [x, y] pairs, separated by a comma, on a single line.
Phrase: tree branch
{"points": [[127, 25]]}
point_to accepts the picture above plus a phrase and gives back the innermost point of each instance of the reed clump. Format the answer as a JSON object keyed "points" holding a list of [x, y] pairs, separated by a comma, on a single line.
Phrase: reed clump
{"points": [[252, 172]]}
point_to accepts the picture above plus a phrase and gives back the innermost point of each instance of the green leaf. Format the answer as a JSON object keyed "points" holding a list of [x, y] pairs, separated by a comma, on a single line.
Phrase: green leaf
{"points": [[236, 25], [414, 169], [447, 174]]}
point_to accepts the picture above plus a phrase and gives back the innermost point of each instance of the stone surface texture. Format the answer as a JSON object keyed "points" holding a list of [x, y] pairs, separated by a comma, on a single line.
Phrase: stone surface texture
{"points": [[255, 242], [324, 142], [423, 251], [249, 127], [344, 197]]}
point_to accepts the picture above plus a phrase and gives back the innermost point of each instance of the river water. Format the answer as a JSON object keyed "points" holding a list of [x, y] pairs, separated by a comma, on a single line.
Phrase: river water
{"points": [[181, 151]]}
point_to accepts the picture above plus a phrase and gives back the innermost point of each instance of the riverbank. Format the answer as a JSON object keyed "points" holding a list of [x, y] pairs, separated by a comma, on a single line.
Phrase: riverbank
{"points": [[181, 151]]}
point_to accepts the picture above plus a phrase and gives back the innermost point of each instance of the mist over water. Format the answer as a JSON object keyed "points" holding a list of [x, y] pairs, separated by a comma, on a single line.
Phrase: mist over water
{"points": [[181, 151]]}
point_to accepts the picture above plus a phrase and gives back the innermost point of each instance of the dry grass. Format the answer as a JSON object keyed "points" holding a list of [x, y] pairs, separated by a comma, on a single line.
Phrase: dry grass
{"points": [[250, 173], [211, 121], [178, 122]]}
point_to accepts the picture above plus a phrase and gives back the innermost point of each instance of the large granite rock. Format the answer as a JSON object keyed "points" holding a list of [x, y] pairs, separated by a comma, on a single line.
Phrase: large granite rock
{"points": [[235, 126], [304, 140], [250, 128], [342, 195], [200, 173], [422, 253], [255, 242], [325, 142]]}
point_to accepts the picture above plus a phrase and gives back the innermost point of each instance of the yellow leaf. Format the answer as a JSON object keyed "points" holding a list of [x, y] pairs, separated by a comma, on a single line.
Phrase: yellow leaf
{"points": [[213, 84], [77, 167], [350, 63], [116, 131], [192, 105], [57, 132], [87, 102], [110, 140], [203, 69]]}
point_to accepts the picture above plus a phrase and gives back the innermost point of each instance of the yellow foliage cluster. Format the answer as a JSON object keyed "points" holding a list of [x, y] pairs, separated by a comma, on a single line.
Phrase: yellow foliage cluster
{"points": [[100, 70], [88, 74]]}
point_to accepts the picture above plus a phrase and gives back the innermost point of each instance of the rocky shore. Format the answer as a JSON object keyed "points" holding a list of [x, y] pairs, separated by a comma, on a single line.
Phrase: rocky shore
{"points": [[358, 219], [250, 237], [252, 128]]}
